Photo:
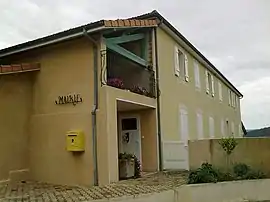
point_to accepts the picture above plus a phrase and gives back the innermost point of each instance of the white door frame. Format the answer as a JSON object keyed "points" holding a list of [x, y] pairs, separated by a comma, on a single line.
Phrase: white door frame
{"points": [[121, 117]]}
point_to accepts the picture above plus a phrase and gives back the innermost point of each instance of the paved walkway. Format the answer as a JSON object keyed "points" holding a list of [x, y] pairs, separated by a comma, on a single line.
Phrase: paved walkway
{"points": [[38, 191]]}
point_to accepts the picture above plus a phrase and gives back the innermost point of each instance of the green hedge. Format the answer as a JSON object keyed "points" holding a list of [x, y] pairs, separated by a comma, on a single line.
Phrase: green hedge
{"points": [[209, 174]]}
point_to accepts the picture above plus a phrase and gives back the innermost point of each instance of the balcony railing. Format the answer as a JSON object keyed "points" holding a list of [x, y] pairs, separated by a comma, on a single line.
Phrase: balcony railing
{"points": [[124, 74]]}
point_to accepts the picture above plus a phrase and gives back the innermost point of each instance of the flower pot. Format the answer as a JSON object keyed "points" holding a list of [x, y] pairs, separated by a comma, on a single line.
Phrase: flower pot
{"points": [[126, 168]]}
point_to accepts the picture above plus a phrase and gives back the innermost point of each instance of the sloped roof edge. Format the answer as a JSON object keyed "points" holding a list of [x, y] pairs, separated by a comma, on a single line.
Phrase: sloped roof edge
{"points": [[156, 14]]}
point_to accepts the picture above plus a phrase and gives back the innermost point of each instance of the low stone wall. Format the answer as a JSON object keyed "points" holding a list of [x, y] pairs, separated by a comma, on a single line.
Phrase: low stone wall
{"points": [[235, 191], [253, 190], [254, 152]]}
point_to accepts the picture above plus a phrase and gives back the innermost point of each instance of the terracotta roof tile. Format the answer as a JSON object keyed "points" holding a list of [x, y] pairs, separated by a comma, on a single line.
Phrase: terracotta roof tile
{"points": [[121, 23], [127, 23], [17, 68], [130, 23]]}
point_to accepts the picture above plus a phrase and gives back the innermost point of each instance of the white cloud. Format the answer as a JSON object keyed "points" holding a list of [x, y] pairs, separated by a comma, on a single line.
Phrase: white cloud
{"points": [[233, 34]]}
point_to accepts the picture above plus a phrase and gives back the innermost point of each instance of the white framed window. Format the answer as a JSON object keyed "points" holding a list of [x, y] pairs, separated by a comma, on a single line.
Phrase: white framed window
{"points": [[213, 85], [209, 80], [233, 99], [181, 64], [183, 119], [197, 74], [211, 127], [199, 125], [229, 97], [222, 127], [220, 91]]}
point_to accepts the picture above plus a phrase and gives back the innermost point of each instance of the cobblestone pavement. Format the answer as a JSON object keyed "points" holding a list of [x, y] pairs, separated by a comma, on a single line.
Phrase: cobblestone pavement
{"points": [[38, 191]]}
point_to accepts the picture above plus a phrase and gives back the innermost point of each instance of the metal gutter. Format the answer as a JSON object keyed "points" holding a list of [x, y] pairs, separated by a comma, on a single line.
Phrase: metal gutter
{"points": [[158, 105], [95, 107], [26, 47]]}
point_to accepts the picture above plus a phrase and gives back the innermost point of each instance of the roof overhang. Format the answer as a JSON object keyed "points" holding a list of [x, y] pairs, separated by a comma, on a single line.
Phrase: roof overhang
{"points": [[172, 31], [91, 28], [19, 68]]}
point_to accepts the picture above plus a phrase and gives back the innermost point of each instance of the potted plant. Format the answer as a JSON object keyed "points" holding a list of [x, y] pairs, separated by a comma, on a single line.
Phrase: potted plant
{"points": [[116, 82], [129, 166]]}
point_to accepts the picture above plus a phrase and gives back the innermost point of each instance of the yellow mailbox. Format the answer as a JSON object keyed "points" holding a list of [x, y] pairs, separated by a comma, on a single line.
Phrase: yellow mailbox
{"points": [[75, 141]]}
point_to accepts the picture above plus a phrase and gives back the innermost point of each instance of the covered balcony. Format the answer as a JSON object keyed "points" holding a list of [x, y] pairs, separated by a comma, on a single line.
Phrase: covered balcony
{"points": [[127, 62]]}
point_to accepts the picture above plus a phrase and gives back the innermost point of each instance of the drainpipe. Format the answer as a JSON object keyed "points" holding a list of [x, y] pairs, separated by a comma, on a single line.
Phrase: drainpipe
{"points": [[158, 105], [95, 107]]}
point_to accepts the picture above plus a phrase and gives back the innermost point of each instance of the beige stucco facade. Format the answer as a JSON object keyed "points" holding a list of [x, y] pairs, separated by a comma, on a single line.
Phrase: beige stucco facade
{"points": [[177, 93], [37, 140], [34, 127]]}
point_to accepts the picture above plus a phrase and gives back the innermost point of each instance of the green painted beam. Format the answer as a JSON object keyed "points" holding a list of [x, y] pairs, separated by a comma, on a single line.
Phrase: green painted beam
{"points": [[127, 54], [125, 38], [144, 47]]}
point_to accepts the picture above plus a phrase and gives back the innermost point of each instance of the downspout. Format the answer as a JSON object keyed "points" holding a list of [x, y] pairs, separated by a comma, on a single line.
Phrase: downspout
{"points": [[158, 105], [95, 107]]}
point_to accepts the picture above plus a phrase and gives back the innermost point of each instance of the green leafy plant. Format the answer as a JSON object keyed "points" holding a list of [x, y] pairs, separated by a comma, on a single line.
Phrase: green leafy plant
{"points": [[228, 144], [241, 169], [209, 174], [245, 172], [137, 169], [205, 174], [254, 174]]}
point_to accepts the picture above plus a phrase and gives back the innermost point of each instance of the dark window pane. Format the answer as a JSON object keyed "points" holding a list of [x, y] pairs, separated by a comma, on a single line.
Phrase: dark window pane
{"points": [[129, 124]]}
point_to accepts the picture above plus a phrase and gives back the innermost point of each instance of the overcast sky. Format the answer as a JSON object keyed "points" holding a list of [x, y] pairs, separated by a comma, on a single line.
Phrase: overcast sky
{"points": [[233, 34]]}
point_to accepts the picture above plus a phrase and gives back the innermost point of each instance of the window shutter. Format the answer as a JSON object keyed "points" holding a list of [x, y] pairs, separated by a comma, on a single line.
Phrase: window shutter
{"points": [[200, 125], [186, 68], [207, 82], [176, 62], [222, 128], [229, 96], [213, 86], [220, 91], [197, 74]]}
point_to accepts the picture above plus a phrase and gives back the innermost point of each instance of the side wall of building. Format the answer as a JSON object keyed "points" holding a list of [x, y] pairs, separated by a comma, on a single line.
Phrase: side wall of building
{"points": [[178, 94], [66, 68]]}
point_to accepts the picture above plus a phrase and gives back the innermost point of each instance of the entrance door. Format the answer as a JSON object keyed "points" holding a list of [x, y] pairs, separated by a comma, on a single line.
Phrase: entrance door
{"points": [[130, 136]]}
